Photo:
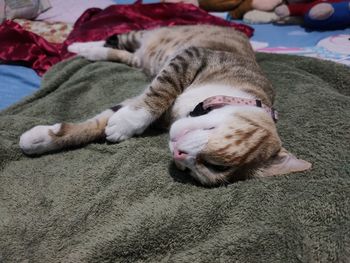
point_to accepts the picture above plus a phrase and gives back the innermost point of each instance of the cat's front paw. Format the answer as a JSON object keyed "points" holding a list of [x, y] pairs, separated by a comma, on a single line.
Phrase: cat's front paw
{"points": [[127, 122], [38, 140], [90, 50]]}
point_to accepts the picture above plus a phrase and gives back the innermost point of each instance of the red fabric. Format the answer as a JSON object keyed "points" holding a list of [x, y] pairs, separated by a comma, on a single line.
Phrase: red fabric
{"points": [[18, 45]]}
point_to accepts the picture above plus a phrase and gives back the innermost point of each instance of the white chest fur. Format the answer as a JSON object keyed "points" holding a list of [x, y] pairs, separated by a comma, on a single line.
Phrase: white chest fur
{"points": [[186, 102]]}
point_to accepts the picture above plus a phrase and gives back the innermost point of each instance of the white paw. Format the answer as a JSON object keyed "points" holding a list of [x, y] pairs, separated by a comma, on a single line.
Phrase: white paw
{"points": [[78, 46], [90, 50], [38, 140], [127, 122]]}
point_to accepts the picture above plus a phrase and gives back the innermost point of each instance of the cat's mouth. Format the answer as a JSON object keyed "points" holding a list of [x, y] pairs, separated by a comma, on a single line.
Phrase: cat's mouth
{"points": [[180, 166], [205, 172], [213, 172], [209, 174], [215, 168]]}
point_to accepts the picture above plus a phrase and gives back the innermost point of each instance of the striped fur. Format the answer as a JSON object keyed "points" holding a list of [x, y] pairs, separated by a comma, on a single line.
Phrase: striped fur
{"points": [[188, 64]]}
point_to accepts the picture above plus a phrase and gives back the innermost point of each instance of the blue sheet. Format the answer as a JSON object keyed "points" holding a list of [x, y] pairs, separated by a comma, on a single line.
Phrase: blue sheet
{"points": [[293, 39], [291, 35], [16, 82]]}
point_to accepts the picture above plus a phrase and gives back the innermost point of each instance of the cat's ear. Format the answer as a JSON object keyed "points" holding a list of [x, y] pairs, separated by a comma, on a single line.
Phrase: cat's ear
{"points": [[283, 163]]}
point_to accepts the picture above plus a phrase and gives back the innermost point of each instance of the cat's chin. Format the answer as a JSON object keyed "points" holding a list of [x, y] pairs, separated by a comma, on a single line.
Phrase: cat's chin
{"points": [[206, 179], [180, 166]]}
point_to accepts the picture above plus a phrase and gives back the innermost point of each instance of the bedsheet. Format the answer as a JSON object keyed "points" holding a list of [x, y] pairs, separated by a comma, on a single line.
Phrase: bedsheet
{"points": [[293, 39], [16, 82]]}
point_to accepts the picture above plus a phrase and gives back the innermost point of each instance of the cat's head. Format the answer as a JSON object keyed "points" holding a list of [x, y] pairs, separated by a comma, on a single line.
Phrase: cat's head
{"points": [[229, 143]]}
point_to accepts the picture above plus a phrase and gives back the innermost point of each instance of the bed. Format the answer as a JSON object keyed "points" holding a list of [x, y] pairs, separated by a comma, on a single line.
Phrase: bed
{"points": [[127, 202]]}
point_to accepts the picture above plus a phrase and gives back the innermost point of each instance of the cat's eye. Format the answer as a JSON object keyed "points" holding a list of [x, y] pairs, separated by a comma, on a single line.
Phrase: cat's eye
{"points": [[216, 167], [207, 129]]}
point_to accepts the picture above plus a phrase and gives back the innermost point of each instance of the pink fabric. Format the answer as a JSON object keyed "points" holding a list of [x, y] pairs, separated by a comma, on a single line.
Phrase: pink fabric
{"points": [[18, 45], [220, 101]]}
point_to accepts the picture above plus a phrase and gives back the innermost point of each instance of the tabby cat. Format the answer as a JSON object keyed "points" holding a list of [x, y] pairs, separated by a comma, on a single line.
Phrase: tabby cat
{"points": [[207, 86]]}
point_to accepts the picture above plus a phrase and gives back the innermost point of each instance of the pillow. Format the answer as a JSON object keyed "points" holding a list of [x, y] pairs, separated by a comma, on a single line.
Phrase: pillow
{"points": [[69, 11], [29, 9]]}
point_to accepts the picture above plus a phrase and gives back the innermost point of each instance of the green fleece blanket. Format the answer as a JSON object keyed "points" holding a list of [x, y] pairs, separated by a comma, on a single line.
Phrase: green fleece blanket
{"points": [[127, 202]]}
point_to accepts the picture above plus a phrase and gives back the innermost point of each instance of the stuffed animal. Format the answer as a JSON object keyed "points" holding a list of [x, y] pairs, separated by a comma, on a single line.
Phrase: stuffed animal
{"points": [[262, 12], [193, 2], [237, 8], [252, 11], [320, 14], [219, 5], [260, 17]]}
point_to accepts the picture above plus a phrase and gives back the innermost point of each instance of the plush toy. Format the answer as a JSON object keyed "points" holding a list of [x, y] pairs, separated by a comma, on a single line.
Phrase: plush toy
{"points": [[219, 5], [320, 14], [193, 2], [252, 11], [260, 17], [237, 8], [262, 12]]}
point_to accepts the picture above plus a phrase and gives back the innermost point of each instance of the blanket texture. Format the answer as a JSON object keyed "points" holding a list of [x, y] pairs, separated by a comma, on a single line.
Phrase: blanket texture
{"points": [[127, 202]]}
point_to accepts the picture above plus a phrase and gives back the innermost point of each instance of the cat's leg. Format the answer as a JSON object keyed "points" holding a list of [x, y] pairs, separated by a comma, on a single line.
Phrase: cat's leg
{"points": [[132, 118], [96, 51], [117, 48], [42, 139], [93, 50], [175, 76]]}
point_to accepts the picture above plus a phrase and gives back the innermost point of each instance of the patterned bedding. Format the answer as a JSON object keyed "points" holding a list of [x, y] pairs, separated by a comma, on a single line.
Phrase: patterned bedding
{"points": [[53, 32], [295, 40]]}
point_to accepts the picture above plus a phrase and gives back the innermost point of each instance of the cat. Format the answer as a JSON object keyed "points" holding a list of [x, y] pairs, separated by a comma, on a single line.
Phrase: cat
{"points": [[207, 87]]}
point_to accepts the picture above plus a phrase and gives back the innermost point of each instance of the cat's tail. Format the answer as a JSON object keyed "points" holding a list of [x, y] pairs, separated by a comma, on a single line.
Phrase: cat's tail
{"points": [[42, 139]]}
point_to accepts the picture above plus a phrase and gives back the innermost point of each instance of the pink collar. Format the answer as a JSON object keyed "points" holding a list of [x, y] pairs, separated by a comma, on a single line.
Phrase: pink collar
{"points": [[215, 102]]}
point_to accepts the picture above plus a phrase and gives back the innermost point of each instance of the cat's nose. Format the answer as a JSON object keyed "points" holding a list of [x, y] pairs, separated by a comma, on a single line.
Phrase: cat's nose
{"points": [[179, 155]]}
